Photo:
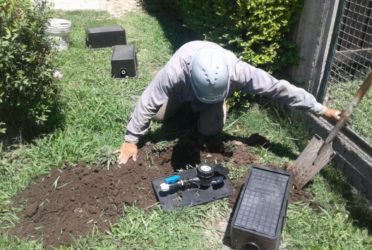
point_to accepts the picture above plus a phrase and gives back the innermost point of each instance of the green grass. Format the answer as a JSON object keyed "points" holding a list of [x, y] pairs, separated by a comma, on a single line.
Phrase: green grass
{"points": [[96, 111], [331, 228], [340, 96]]}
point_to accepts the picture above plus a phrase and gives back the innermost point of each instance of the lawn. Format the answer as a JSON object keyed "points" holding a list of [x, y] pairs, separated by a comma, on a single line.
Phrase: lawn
{"points": [[96, 109]]}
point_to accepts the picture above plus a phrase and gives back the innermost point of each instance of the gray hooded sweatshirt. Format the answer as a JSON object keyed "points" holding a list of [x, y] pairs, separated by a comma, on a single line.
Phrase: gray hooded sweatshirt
{"points": [[173, 81]]}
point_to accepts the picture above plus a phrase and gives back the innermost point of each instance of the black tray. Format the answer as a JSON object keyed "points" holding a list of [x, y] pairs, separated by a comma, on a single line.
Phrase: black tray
{"points": [[192, 196]]}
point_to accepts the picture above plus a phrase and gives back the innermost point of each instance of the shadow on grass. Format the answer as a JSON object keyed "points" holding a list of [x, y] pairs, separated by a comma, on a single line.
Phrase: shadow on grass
{"points": [[174, 29], [355, 203], [183, 127], [26, 131], [257, 140]]}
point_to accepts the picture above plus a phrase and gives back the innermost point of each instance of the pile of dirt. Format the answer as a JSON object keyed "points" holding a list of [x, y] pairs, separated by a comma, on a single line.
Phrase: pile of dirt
{"points": [[69, 202]]}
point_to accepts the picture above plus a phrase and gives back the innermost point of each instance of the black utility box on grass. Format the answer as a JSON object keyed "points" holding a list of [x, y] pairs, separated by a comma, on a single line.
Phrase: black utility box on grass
{"points": [[259, 214], [123, 61], [101, 37]]}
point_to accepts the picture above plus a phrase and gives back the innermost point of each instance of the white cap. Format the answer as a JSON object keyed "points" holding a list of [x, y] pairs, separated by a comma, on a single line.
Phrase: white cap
{"points": [[164, 187]]}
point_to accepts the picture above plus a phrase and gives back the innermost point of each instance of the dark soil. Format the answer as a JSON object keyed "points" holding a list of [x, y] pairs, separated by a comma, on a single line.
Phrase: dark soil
{"points": [[69, 202]]}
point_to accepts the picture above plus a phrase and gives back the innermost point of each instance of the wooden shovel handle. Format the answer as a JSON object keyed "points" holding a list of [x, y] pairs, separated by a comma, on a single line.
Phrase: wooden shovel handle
{"points": [[347, 112]]}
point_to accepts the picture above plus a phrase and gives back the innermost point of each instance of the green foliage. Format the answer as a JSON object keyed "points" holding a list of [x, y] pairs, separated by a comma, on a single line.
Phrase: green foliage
{"points": [[257, 29], [27, 91], [265, 26]]}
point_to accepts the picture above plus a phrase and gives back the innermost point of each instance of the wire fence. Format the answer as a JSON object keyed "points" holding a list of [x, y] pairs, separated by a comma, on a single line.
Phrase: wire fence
{"points": [[352, 60]]}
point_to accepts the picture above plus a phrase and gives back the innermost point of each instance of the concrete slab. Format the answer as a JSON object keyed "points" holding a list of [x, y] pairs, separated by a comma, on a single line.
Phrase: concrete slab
{"points": [[114, 7]]}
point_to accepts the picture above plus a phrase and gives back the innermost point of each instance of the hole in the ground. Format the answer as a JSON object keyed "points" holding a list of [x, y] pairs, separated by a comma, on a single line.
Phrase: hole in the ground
{"points": [[192, 153]]}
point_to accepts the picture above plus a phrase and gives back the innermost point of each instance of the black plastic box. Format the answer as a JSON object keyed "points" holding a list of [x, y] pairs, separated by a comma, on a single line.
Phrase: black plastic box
{"points": [[102, 37], [123, 61], [259, 215]]}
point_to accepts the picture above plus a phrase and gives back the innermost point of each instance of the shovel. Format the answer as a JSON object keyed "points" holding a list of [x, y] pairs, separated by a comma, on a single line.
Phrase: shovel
{"points": [[319, 152]]}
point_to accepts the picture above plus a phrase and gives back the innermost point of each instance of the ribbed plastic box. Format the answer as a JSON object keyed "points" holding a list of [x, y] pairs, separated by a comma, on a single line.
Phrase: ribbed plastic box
{"points": [[123, 61], [101, 37], [259, 214]]}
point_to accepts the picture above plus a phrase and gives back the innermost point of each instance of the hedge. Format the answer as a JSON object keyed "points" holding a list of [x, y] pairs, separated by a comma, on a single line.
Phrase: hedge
{"points": [[28, 95], [257, 30]]}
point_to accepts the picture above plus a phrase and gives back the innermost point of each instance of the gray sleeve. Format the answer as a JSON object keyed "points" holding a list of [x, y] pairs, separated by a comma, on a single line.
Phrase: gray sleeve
{"points": [[258, 81], [151, 100]]}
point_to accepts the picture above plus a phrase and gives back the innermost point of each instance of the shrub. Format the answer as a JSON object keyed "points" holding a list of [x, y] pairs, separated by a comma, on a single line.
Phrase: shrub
{"points": [[28, 94], [258, 30]]}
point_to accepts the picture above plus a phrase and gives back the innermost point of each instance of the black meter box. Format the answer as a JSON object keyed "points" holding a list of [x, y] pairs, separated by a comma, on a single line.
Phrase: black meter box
{"points": [[101, 37], [123, 61], [259, 214]]}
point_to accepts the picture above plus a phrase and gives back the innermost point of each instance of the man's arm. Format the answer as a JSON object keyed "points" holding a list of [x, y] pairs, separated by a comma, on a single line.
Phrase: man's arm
{"points": [[149, 104], [260, 82]]}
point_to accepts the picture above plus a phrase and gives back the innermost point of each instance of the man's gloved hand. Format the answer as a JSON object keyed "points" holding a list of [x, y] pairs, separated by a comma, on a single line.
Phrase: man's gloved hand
{"points": [[332, 114], [127, 151]]}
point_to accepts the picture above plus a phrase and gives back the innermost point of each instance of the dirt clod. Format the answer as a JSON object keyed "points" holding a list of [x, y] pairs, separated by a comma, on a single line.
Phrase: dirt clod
{"points": [[31, 210]]}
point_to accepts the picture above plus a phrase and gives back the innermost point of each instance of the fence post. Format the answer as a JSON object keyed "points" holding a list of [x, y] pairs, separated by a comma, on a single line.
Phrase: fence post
{"points": [[313, 38], [323, 84]]}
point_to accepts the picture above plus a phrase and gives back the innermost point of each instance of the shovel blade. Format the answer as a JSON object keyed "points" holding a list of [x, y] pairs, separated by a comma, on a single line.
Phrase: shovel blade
{"points": [[311, 161]]}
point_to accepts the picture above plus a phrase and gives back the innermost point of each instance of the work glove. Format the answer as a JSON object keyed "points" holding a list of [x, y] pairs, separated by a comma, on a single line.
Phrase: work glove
{"points": [[127, 151], [332, 114]]}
